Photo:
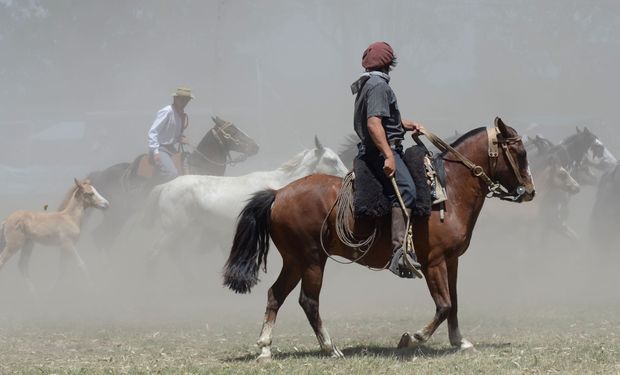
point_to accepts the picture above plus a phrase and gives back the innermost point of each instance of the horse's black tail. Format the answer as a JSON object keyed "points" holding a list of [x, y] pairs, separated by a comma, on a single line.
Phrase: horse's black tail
{"points": [[251, 243]]}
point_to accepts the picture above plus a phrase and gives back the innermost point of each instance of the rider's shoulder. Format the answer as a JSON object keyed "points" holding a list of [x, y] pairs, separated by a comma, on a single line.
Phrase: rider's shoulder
{"points": [[377, 83], [164, 111]]}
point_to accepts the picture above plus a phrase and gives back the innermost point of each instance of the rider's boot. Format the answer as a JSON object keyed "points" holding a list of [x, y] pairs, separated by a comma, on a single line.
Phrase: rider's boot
{"points": [[399, 230]]}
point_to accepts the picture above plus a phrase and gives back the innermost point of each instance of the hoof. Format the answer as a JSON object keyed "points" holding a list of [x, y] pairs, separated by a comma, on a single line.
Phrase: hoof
{"points": [[405, 341], [420, 337], [265, 355], [333, 352], [465, 345], [337, 353]]}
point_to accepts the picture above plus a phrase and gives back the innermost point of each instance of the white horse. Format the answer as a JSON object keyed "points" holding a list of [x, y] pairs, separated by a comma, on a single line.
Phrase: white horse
{"points": [[210, 204]]}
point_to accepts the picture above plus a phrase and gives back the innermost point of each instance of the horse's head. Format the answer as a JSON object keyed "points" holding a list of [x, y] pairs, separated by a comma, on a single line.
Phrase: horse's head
{"points": [[542, 144], [89, 196], [512, 169], [327, 161], [232, 138], [558, 178]]}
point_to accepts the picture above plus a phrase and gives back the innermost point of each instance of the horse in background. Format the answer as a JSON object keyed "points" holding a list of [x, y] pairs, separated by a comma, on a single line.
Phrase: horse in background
{"points": [[579, 153], [210, 204], [605, 214], [556, 186], [580, 156], [302, 223], [22, 229], [127, 191]]}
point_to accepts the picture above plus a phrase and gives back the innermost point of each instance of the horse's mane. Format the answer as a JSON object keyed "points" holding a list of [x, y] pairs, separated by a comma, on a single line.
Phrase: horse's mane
{"points": [[466, 136], [292, 164], [67, 198]]}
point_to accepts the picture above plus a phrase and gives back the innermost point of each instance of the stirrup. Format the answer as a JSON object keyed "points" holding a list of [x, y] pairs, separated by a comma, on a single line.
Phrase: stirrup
{"points": [[399, 266]]}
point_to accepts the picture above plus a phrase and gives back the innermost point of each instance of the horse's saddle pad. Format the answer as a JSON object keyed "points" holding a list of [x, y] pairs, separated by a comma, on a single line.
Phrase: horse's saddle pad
{"points": [[370, 200]]}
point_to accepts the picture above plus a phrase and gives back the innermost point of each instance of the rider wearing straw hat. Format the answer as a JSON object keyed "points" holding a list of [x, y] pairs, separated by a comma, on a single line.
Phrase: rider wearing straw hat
{"points": [[166, 133], [378, 123]]}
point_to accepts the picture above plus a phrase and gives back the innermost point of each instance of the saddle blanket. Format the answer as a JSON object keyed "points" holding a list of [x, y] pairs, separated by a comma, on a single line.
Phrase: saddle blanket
{"points": [[368, 197]]}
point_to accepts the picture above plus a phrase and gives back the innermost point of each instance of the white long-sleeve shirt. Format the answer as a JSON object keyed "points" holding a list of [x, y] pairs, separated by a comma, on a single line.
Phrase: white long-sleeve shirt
{"points": [[166, 129]]}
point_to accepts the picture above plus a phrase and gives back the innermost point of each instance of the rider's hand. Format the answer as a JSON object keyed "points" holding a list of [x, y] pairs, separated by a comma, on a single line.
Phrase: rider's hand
{"points": [[156, 158], [412, 126], [184, 140], [389, 166]]}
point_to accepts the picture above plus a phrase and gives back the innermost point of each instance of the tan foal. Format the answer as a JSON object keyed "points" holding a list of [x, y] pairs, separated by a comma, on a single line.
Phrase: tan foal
{"points": [[22, 229]]}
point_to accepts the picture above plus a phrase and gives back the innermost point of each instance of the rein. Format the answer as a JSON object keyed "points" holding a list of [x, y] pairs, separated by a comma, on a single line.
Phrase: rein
{"points": [[495, 188], [218, 137], [344, 199]]}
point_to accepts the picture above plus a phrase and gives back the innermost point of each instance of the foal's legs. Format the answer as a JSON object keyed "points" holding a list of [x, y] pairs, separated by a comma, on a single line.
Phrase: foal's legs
{"points": [[454, 333], [13, 242], [286, 282], [24, 259], [311, 282], [69, 249]]}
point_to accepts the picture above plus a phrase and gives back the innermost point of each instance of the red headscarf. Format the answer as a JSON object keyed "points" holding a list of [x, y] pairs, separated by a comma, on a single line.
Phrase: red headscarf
{"points": [[377, 56]]}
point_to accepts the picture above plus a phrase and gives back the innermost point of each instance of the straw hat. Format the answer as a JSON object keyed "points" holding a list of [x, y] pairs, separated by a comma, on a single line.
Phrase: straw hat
{"points": [[184, 92]]}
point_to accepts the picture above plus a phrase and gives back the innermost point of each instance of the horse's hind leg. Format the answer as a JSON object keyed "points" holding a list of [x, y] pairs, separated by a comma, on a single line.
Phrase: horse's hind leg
{"points": [[24, 260], [286, 282], [311, 282], [12, 243], [454, 333]]}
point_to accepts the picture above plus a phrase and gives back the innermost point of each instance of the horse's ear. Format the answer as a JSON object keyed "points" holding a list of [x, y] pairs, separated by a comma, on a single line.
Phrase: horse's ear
{"points": [[77, 182], [318, 144], [586, 130], [578, 131], [503, 129]]}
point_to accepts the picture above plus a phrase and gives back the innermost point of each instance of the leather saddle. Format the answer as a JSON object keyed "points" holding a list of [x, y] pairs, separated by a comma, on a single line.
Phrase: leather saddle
{"points": [[144, 165]]}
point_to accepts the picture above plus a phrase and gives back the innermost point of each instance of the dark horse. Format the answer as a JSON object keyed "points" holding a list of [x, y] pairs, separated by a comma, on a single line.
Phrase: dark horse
{"points": [[293, 217], [121, 186]]}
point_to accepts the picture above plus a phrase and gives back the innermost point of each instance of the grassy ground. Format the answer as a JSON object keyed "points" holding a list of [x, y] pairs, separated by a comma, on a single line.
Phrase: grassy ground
{"points": [[532, 343]]}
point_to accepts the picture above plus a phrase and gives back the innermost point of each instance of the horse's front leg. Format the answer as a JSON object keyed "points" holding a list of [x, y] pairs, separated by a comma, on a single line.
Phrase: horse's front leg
{"points": [[454, 333], [437, 280], [70, 250]]}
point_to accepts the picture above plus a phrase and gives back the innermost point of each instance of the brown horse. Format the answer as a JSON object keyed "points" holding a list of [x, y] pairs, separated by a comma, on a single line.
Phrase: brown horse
{"points": [[22, 229], [293, 216]]}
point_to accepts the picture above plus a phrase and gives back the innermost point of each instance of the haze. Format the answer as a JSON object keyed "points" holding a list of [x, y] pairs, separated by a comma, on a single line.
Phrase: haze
{"points": [[81, 81]]}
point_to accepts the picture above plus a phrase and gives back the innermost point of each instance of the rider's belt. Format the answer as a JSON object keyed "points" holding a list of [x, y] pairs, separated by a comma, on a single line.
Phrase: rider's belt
{"points": [[170, 149]]}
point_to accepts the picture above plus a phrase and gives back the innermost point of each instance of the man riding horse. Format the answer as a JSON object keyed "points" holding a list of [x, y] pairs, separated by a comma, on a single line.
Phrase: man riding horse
{"points": [[166, 134], [381, 130]]}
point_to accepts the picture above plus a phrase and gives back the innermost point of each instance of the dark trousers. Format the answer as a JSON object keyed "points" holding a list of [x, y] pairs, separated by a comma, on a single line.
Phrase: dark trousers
{"points": [[404, 181]]}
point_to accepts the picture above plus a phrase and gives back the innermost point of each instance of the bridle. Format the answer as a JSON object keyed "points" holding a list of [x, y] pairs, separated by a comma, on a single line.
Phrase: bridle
{"points": [[223, 138], [495, 141]]}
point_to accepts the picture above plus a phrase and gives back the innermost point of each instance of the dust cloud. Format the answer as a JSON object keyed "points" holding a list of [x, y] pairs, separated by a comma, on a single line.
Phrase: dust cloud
{"points": [[81, 81]]}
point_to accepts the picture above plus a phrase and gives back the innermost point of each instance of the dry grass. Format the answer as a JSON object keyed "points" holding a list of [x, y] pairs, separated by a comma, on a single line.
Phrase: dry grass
{"points": [[532, 343]]}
